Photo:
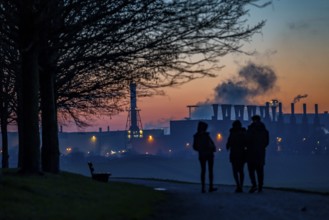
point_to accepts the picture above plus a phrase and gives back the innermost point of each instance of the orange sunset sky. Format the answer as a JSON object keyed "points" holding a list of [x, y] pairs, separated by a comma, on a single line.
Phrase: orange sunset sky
{"points": [[294, 43]]}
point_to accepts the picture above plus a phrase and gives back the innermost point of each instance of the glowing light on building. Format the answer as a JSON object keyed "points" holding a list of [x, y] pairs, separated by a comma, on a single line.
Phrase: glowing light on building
{"points": [[219, 137], [135, 134], [150, 139], [187, 145], [68, 150], [278, 142], [93, 139]]}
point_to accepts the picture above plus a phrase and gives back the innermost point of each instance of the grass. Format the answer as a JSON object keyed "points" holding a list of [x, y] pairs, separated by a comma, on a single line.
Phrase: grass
{"points": [[72, 196]]}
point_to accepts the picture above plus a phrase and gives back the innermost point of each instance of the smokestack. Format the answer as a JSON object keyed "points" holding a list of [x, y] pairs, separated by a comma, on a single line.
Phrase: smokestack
{"points": [[292, 116], [267, 112], [273, 107], [316, 116], [316, 109], [304, 120], [108, 128], [100, 130], [262, 111], [251, 111], [215, 109], [226, 111], [280, 117], [133, 107], [238, 110]]}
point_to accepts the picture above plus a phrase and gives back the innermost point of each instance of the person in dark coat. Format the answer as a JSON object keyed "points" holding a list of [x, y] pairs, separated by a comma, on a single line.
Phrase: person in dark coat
{"points": [[258, 139], [206, 148], [236, 144]]}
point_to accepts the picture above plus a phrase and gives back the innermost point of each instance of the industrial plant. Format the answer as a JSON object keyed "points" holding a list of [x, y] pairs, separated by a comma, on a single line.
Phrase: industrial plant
{"points": [[290, 133]]}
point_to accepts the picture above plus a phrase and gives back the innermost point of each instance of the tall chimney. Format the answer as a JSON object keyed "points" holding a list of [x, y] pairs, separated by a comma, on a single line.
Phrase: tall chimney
{"points": [[239, 110], [273, 108], [304, 119], [226, 111], [316, 116], [251, 111], [267, 112], [133, 107], [292, 116], [215, 109], [280, 117], [262, 111]]}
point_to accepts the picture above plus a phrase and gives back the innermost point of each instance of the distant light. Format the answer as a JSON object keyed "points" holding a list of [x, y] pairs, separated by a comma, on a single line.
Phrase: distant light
{"points": [[219, 137], [146, 153], [170, 150], [279, 139], [68, 150], [304, 139], [150, 139], [187, 144], [93, 138]]}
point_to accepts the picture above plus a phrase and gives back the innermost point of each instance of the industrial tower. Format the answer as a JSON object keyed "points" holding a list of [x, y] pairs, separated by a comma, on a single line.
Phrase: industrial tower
{"points": [[134, 125]]}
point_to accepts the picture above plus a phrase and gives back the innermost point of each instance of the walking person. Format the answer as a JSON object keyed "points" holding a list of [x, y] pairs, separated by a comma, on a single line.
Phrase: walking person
{"points": [[236, 144], [257, 141], [206, 148]]}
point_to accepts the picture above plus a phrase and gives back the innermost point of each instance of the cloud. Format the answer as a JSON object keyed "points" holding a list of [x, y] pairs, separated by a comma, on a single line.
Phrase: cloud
{"points": [[298, 25]]}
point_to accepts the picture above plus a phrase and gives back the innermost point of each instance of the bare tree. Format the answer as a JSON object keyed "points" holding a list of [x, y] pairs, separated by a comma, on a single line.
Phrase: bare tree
{"points": [[93, 49], [155, 43]]}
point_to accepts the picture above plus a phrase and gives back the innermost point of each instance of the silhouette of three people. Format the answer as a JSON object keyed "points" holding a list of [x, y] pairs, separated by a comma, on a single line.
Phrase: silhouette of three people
{"points": [[206, 148]]}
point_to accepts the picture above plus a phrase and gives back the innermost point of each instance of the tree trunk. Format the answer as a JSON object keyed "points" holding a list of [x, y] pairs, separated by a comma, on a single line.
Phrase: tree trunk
{"points": [[29, 121], [50, 147], [50, 155], [4, 135]]}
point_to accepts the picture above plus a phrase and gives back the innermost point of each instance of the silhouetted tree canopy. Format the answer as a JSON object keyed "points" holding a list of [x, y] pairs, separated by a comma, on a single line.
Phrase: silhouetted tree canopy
{"points": [[105, 45], [79, 56]]}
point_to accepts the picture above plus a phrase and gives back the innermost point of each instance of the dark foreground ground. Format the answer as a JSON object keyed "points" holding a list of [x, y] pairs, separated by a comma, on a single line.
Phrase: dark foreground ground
{"points": [[187, 202]]}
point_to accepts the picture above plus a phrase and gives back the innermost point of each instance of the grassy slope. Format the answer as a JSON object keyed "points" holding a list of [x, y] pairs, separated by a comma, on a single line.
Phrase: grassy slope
{"points": [[71, 196]]}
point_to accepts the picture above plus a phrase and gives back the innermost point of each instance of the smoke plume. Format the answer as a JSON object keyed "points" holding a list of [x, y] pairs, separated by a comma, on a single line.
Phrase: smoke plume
{"points": [[299, 97], [252, 81]]}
